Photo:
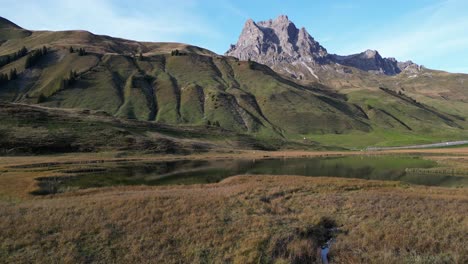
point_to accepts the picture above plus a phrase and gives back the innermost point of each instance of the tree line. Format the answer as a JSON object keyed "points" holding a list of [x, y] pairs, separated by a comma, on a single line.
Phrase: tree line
{"points": [[12, 57], [35, 56], [81, 51], [70, 80], [4, 78], [178, 53]]}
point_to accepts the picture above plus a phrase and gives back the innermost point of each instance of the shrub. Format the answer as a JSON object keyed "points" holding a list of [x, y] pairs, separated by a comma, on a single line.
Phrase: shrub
{"points": [[42, 98]]}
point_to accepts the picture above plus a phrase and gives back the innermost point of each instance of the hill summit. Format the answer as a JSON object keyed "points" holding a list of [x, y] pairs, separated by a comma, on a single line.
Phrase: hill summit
{"points": [[5, 23]]}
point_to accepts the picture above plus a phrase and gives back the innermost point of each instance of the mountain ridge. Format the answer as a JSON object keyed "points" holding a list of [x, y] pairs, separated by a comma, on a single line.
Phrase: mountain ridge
{"points": [[148, 81], [184, 85], [5, 23], [279, 40]]}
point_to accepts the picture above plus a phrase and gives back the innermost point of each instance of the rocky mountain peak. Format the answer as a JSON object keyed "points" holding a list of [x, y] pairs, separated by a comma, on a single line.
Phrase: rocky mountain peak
{"points": [[369, 54], [275, 40], [282, 19], [250, 23], [279, 44], [409, 67]]}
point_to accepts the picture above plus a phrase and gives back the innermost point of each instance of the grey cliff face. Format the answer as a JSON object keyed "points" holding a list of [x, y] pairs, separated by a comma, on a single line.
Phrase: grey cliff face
{"points": [[281, 45], [276, 40], [371, 61]]}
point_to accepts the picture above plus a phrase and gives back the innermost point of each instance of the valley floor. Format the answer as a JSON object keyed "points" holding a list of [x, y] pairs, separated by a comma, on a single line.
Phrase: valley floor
{"points": [[243, 219]]}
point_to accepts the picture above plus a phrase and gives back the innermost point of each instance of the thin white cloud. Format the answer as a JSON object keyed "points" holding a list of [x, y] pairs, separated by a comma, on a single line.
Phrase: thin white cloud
{"points": [[432, 31], [168, 21]]}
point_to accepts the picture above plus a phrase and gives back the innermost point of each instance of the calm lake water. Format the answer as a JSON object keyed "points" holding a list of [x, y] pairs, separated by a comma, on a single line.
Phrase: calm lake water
{"points": [[194, 172]]}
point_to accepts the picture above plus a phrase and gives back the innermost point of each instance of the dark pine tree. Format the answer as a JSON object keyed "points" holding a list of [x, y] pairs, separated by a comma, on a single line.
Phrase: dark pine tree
{"points": [[72, 78], [23, 51], [14, 56], [3, 78], [28, 62], [34, 57], [251, 64], [81, 52], [13, 74], [42, 98]]}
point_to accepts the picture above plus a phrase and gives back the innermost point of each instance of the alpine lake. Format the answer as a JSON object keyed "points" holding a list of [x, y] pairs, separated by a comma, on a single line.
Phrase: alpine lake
{"points": [[406, 169]]}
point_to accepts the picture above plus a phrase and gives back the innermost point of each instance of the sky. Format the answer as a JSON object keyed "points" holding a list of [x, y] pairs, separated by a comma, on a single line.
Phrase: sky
{"points": [[433, 33]]}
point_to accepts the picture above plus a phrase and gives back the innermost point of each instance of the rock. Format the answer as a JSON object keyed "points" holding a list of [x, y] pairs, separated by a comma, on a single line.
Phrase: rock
{"points": [[274, 41], [371, 61], [281, 45]]}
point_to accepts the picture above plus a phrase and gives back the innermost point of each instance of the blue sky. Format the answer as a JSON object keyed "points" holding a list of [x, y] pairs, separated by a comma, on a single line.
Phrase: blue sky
{"points": [[433, 33]]}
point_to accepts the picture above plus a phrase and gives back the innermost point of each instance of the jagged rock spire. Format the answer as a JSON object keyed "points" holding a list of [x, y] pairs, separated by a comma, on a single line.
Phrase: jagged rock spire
{"points": [[278, 41]]}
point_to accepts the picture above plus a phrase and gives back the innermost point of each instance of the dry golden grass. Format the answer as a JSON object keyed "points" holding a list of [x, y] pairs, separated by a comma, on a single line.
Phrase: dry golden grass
{"points": [[248, 219], [460, 162], [244, 219]]}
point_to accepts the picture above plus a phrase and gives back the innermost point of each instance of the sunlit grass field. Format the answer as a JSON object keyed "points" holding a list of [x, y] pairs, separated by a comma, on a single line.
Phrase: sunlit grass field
{"points": [[243, 219]]}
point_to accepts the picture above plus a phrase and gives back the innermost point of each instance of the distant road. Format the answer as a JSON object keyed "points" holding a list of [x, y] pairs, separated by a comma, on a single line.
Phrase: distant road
{"points": [[435, 145]]}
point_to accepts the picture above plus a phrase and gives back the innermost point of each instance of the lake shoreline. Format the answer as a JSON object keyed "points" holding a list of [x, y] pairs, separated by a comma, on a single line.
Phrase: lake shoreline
{"points": [[6, 161], [18, 174]]}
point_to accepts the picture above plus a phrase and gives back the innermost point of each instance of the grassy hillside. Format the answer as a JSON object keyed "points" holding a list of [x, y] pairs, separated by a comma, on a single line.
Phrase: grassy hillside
{"points": [[145, 81], [29, 129], [9, 31], [194, 88], [411, 107]]}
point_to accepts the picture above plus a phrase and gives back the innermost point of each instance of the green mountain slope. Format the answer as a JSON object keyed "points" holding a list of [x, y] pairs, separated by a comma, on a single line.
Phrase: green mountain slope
{"points": [[148, 82], [28, 129], [195, 88]]}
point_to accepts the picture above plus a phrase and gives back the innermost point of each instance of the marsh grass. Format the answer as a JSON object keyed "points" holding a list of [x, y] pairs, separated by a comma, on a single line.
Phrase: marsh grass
{"points": [[244, 219]]}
